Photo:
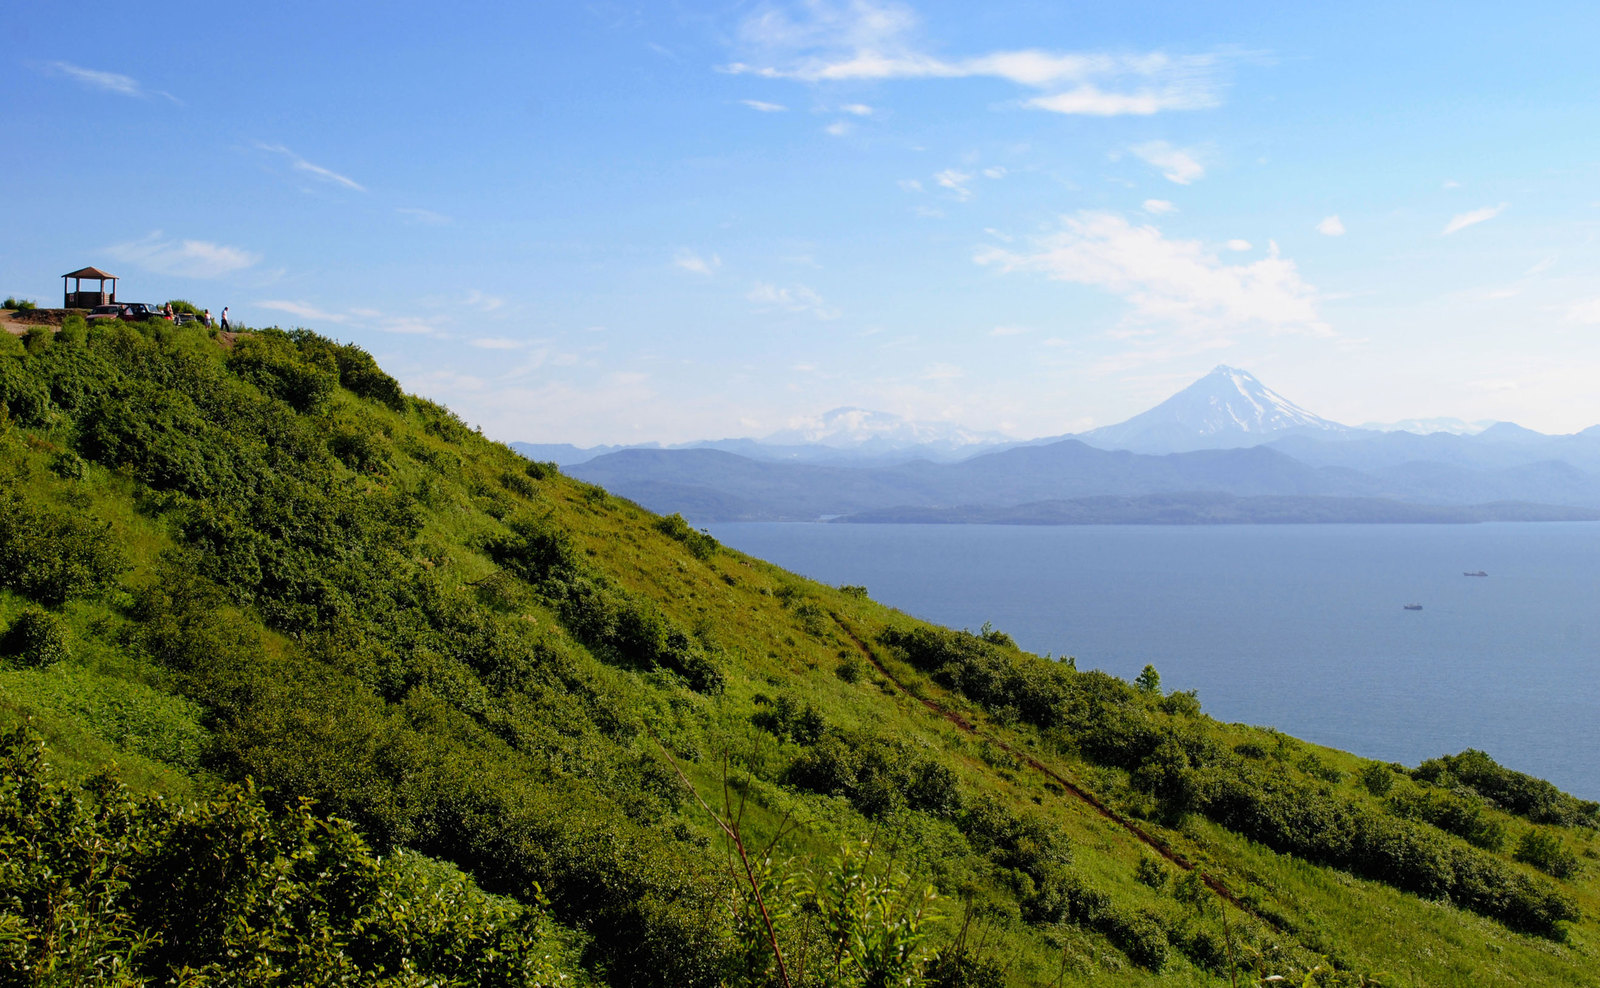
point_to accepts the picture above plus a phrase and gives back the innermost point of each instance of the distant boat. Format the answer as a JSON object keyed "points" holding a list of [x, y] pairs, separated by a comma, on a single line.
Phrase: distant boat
{"points": [[1478, 573], [1412, 607]]}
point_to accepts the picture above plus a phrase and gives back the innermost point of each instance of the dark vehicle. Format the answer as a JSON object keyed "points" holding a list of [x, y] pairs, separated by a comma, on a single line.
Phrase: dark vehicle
{"points": [[103, 313], [186, 318], [139, 312]]}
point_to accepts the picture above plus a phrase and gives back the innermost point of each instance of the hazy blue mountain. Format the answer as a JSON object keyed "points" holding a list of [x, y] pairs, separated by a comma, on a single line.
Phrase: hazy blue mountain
{"points": [[712, 485], [1226, 408], [1222, 509]]}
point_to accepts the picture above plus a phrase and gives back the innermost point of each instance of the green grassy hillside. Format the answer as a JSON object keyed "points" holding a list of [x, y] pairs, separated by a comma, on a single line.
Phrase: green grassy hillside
{"points": [[307, 682]]}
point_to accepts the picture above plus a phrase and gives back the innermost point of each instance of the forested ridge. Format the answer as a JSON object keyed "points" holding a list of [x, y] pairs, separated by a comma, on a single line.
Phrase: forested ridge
{"points": [[306, 682]]}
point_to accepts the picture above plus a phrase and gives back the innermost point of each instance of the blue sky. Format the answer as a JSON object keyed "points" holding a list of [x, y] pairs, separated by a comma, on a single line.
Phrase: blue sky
{"points": [[613, 222]]}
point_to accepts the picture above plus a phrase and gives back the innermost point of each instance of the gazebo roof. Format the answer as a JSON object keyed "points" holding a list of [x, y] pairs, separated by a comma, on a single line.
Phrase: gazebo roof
{"points": [[95, 273]]}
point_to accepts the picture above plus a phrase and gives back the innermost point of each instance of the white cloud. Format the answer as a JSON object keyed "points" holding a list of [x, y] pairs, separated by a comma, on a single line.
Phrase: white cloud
{"points": [[1159, 207], [856, 109], [797, 298], [764, 106], [184, 258], [1585, 311], [1238, 245], [1451, 183], [302, 310], [690, 261], [109, 82], [423, 217], [411, 327], [1476, 216], [1177, 284], [956, 182], [482, 302], [300, 164], [997, 171], [1175, 164], [911, 185], [873, 40], [838, 128], [1331, 226]]}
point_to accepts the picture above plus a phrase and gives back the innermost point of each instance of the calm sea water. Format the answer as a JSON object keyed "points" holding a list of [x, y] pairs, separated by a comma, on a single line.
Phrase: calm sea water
{"points": [[1296, 626]]}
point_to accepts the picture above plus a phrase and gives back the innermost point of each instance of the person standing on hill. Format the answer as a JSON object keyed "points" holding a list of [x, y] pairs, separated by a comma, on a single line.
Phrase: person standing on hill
{"points": [[205, 318], [224, 318]]}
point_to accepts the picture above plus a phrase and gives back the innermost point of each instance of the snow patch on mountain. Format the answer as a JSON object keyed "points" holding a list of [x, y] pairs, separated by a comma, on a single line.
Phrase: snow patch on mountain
{"points": [[1227, 408]]}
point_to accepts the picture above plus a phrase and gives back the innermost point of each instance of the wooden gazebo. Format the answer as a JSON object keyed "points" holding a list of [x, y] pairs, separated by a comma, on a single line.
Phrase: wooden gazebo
{"points": [[76, 298]]}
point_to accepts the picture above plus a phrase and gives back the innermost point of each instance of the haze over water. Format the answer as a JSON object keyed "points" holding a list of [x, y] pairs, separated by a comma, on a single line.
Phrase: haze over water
{"points": [[1300, 627]]}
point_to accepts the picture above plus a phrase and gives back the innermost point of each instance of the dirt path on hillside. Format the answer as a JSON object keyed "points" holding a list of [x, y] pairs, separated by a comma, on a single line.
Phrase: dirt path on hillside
{"points": [[1151, 841]]}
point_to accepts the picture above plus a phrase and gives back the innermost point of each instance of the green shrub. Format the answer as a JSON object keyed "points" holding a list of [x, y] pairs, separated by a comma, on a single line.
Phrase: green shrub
{"points": [[700, 544], [1521, 794], [1544, 851], [52, 556], [37, 338], [1376, 778], [19, 304], [854, 590], [37, 638]]}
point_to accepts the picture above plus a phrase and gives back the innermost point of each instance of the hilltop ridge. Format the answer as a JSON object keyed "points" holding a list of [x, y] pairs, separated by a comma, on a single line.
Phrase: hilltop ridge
{"points": [[538, 699]]}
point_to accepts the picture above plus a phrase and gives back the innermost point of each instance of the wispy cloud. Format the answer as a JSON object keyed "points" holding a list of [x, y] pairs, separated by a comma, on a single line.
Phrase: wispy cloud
{"points": [[1239, 245], [875, 40], [300, 164], [797, 298], [107, 82], [1159, 207], [1473, 218], [1585, 311], [690, 261], [995, 171], [184, 258], [763, 106], [1331, 226], [839, 128], [856, 109], [302, 310], [1175, 164], [956, 182], [423, 217], [1176, 285], [482, 302]]}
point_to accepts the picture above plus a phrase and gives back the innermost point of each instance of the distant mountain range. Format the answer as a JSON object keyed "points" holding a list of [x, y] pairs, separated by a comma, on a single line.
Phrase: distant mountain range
{"points": [[1225, 449]]}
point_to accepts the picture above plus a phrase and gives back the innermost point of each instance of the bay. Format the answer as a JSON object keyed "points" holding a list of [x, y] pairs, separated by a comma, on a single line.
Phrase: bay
{"points": [[1300, 627]]}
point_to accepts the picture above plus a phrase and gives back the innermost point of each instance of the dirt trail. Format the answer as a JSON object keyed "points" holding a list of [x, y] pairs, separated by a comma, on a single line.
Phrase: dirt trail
{"points": [[1149, 840]]}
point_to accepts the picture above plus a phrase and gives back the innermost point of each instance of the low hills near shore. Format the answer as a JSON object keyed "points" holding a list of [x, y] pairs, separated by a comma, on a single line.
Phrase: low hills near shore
{"points": [[305, 682]]}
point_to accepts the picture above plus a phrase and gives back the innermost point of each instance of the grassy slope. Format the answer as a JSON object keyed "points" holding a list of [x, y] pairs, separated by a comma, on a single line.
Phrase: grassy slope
{"points": [[770, 634]]}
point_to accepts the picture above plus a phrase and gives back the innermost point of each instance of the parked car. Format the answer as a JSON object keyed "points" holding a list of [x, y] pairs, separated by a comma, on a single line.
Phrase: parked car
{"points": [[139, 312], [186, 318]]}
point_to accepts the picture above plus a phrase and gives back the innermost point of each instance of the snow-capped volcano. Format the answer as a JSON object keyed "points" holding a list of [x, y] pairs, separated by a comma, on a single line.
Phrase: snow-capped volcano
{"points": [[1225, 409]]}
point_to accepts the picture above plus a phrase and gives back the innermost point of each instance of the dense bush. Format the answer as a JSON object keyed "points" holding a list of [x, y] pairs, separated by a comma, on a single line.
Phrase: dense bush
{"points": [[36, 638], [700, 544], [877, 775], [53, 556], [1314, 823], [1521, 794], [987, 673], [230, 892], [1544, 851], [1453, 812]]}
